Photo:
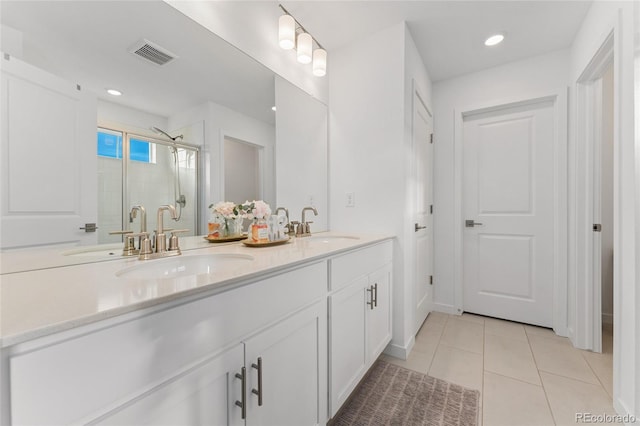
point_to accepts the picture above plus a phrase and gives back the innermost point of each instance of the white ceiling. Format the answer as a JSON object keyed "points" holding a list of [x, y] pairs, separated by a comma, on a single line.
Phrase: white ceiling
{"points": [[450, 34], [88, 41]]}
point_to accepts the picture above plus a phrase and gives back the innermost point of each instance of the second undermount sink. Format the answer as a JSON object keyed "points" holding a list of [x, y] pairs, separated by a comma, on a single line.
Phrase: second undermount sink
{"points": [[331, 238], [183, 266], [99, 251]]}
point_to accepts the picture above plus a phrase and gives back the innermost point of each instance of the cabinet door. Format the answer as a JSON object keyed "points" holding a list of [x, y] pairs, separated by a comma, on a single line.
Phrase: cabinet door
{"points": [[379, 318], [204, 395], [347, 341], [292, 357]]}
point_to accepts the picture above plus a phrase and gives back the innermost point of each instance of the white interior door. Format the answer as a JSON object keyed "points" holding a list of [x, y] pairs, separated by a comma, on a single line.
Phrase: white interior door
{"points": [[48, 189], [423, 157], [508, 207]]}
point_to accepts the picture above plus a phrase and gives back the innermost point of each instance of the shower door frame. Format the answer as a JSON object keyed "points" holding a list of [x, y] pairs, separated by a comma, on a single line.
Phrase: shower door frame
{"points": [[126, 138]]}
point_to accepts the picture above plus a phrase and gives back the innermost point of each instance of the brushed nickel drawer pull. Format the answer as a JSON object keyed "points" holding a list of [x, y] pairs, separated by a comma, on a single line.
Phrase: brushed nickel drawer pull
{"points": [[242, 404], [259, 390]]}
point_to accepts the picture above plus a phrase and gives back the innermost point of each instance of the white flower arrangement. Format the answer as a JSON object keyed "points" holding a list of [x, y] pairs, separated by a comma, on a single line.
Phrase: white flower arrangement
{"points": [[256, 209]]}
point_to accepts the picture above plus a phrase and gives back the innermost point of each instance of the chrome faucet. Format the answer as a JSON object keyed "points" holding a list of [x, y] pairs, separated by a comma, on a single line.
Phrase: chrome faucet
{"points": [[143, 217], [143, 220], [304, 228], [289, 225], [161, 238]]}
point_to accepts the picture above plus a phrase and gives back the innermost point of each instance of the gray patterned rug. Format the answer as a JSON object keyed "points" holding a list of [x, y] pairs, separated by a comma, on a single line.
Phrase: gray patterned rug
{"points": [[392, 395]]}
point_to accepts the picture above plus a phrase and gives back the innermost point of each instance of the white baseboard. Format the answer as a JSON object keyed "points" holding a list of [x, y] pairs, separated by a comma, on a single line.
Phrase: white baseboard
{"points": [[607, 319], [445, 309], [398, 351]]}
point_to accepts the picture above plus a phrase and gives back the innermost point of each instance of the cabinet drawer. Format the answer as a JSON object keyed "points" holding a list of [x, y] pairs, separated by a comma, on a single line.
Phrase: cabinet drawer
{"points": [[78, 378], [348, 267]]}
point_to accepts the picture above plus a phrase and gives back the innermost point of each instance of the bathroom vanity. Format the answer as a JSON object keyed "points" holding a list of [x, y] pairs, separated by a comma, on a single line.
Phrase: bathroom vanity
{"points": [[224, 334]]}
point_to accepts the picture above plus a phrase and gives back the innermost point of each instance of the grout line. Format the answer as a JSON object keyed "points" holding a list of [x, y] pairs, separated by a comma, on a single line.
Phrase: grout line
{"points": [[544, 389], [482, 392], [514, 378], [596, 374]]}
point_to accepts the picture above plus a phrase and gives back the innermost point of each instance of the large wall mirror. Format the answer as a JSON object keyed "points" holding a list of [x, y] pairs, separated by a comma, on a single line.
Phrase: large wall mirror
{"points": [[196, 113]]}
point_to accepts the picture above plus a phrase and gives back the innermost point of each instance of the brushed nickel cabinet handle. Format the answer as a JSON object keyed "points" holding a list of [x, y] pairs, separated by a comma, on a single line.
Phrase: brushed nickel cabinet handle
{"points": [[259, 390], [375, 295], [371, 303], [242, 404]]}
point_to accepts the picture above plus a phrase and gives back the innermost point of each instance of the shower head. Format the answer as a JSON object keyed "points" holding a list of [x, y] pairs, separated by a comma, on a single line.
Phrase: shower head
{"points": [[162, 132]]}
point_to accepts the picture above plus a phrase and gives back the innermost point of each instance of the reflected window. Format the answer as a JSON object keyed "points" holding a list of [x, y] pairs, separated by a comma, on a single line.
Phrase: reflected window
{"points": [[110, 146], [142, 151]]}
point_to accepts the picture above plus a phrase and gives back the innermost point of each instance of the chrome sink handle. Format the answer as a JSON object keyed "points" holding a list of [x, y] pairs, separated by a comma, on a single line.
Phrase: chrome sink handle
{"points": [[174, 244]]}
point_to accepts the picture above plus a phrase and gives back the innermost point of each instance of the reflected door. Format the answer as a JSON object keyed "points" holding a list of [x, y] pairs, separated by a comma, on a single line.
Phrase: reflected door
{"points": [[508, 196], [242, 171], [48, 162]]}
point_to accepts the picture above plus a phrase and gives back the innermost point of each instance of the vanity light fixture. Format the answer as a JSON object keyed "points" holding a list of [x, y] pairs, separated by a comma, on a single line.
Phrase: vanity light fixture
{"points": [[114, 92], [319, 62], [494, 39], [273, 108], [292, 34], [287, 32], [305, 47]]}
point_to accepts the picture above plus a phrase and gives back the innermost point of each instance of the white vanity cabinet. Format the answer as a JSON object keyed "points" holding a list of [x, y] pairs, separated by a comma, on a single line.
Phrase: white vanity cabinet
{"points": [[204, 395], [291, 357], [279, 370], [359, 317], [178, 365]]}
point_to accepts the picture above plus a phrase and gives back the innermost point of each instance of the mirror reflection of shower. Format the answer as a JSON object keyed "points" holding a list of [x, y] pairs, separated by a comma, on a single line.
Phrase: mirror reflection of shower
{"points": [[180, 198], [147, 171]]}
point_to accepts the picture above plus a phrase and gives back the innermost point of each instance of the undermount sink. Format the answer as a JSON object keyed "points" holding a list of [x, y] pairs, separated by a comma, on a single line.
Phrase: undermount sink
{"points": [[184, 266], [331, 238], [110, 250]]}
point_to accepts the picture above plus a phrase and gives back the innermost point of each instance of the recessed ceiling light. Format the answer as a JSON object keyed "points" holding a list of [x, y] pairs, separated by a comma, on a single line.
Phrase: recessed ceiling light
{"points": [[273, 108], [494, 39], [114, 92]]}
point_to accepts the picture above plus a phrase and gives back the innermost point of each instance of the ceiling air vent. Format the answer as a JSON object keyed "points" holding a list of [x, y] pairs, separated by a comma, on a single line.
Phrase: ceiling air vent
{"points": [[152, 52]]}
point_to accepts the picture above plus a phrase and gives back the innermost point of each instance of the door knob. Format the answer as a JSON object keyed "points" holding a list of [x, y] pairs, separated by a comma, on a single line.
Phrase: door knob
{"points": [[417, 227], [470, 223]]}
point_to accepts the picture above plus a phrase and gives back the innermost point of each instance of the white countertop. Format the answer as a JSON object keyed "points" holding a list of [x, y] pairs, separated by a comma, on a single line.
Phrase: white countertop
{"points": [[65, 295]]}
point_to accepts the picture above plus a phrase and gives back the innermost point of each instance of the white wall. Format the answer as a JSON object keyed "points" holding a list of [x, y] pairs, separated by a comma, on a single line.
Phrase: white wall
{"points": [[530, 77], [301, 154], [220, 121], [601, 20], [370, 141]]}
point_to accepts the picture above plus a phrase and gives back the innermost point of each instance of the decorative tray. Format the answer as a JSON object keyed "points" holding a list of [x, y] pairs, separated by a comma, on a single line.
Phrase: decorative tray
{"points": [[226, 240], [250, 243]]}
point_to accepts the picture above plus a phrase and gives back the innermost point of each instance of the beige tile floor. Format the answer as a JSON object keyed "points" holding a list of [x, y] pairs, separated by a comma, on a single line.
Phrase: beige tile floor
{"points": [[526, 375]]}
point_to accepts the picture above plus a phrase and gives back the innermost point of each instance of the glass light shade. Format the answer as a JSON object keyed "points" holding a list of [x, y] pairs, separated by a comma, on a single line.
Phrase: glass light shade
{"points": [[305, 46], [287, 32], [319, 62]]}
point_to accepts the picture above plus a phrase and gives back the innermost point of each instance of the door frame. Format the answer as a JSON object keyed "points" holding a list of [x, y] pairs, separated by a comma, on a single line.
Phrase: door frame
{"points": [[418, 98], [560, 166], [588, 329]]}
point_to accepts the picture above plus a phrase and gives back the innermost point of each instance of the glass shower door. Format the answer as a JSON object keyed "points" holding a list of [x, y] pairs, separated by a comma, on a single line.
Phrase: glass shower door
{"points": [[159, 173]]}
